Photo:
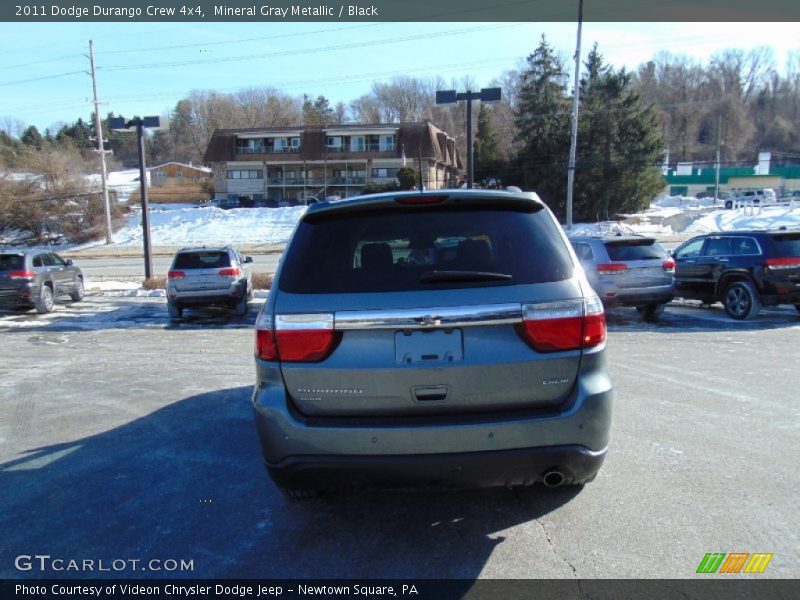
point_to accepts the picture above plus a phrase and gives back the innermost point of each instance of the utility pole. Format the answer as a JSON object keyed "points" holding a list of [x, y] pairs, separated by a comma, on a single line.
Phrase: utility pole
{"points": [[719, 142], [98, 127], [574, 140]]}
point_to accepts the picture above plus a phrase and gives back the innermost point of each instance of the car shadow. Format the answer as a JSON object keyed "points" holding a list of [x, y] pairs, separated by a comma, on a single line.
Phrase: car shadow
{"points": [[187, 483], [123, 313], [694, 318]]}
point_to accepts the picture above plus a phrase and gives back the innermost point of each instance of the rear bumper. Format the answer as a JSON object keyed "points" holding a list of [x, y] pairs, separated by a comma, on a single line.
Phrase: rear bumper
{"points": [[481, 449], [521, 466], [639, 297], [218, 297]]}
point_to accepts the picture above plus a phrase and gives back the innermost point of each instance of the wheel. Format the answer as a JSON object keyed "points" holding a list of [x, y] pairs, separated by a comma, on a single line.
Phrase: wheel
{"points": [[45, 303], [175, 311], [728, 204], [649, 312], [78, 293], [741, 300], [241, 306]]}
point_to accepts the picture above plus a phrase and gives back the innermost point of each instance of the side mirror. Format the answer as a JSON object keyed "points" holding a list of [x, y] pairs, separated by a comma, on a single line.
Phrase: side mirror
{"points": [[68, 262], [248, 259]]}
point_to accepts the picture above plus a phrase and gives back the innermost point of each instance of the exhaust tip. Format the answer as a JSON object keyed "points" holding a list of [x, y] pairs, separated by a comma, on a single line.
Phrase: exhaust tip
{"points": [[553, 479]]}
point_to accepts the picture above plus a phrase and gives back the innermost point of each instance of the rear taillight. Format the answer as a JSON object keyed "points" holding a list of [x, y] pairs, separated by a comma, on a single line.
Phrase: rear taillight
{"points": [[668, 265], [418, 200], [176, 275], [22, 275], [612, 268], [229, 272], [295, 338], [782, 263], [566, 325]]}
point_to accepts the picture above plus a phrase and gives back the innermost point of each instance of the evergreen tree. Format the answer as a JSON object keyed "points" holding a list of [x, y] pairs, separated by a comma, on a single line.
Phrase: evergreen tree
{"points": [[620, 145], [317, 113], [31, 137], [77, 135], [543, 127], [486, 147]]}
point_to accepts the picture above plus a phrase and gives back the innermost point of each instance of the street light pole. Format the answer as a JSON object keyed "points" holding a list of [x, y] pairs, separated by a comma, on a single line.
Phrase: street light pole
{"points": [[140, 124], [451, 97]]}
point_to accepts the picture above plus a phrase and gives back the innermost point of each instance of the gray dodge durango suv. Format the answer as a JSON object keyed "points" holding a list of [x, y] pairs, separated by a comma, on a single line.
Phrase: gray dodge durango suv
{"points": [[442, 338]]}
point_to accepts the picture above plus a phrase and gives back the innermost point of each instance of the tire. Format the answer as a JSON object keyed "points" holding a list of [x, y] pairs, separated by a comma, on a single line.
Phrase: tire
{"points": [[650, 312], [175, 311], [45, 303], [741, 301], [78, 293], [241, 306]]}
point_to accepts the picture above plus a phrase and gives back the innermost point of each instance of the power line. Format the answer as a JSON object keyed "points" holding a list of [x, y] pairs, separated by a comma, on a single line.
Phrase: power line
{"points": [[55, 76], [295, 52]]}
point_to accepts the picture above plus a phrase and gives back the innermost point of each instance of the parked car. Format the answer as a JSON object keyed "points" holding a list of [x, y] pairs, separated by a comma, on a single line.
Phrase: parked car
{"points": [[628, 270], [744, 270], [225, 203], [436, 338], [34, 280], [214, 276], [762, 197]]}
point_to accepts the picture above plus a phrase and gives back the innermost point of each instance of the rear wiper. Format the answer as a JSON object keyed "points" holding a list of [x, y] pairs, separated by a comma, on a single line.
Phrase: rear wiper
{"points": [[449, 276]]}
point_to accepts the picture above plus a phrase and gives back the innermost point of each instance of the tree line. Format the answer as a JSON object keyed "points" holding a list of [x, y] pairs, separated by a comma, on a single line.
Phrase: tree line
{"points": [[672, 105]]}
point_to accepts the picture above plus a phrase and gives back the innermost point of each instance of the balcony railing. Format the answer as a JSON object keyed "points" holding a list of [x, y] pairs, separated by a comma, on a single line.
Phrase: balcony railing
{"points": [[266, 150], [364, 148]]}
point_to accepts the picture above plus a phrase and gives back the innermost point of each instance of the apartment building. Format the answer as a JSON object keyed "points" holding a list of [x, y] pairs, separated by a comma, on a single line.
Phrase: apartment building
{"points": [[290, 165]]}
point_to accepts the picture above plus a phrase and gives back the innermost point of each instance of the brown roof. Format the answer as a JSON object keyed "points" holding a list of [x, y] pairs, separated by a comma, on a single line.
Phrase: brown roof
{"points": [[414, 138]]}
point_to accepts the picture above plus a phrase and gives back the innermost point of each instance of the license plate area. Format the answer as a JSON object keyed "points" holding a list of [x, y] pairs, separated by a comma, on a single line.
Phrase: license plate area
{"points": [[428, 347]]}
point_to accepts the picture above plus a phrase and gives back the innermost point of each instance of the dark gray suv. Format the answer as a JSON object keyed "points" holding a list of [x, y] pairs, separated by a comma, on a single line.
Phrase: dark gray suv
{"points": [[34, 279], [442, 338]]}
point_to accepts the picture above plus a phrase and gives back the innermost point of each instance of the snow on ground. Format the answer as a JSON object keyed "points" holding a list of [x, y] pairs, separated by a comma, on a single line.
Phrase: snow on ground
{"points": [[769, 217], [614, 227], [210, 225]]}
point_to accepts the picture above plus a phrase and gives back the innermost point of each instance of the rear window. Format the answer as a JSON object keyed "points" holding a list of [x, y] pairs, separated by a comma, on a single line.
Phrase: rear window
{"points": [[202, 260], [423, 249], [787, 245], [11, 262], [645, 249]]}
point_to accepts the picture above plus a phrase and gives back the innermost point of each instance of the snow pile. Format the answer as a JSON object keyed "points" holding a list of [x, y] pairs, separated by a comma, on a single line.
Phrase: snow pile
{"points": [[769, 217], [683, 202], [614, 227], [210, 225]]}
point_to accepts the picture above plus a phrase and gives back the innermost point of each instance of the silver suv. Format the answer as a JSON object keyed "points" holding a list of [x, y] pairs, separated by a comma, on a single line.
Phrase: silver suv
{"points": [[437, 338], [628, 270], [213, 276]]}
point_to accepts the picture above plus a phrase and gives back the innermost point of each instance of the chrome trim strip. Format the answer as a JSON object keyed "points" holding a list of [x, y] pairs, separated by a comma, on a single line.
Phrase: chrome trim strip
{"points": [[426, 318]]}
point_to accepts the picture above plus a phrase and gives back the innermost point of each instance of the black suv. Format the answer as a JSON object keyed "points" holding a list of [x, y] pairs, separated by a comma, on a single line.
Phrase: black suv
{"points": [[742, 269]]}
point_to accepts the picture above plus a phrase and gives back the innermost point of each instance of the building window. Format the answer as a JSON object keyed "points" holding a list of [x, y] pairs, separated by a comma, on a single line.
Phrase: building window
{"points": [[334, 141], [386, 143], [383, 173], [357, 143], [246, 174], [295, 143]]}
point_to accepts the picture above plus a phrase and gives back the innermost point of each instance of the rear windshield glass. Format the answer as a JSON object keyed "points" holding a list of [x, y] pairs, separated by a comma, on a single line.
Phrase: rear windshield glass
{"points": [[635, 250], [788, 245], [413, 249], [11, 262], [202, 260]]}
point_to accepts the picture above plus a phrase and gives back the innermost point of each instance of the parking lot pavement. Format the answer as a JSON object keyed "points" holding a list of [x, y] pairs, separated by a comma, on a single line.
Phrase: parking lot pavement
{"points": [[123, 436]]}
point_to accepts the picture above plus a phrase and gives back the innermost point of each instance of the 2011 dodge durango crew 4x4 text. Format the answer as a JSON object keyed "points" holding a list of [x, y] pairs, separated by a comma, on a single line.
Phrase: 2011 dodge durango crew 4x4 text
{"points": [[438, 338]]}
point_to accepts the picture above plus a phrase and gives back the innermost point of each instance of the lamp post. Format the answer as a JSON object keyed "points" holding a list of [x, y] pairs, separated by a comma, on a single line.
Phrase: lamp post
{"points": [[140, 124], [452, 97]]}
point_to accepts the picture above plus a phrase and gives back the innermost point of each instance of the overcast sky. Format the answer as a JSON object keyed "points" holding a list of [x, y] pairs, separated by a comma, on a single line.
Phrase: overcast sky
{"points": [[145, 68]]}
